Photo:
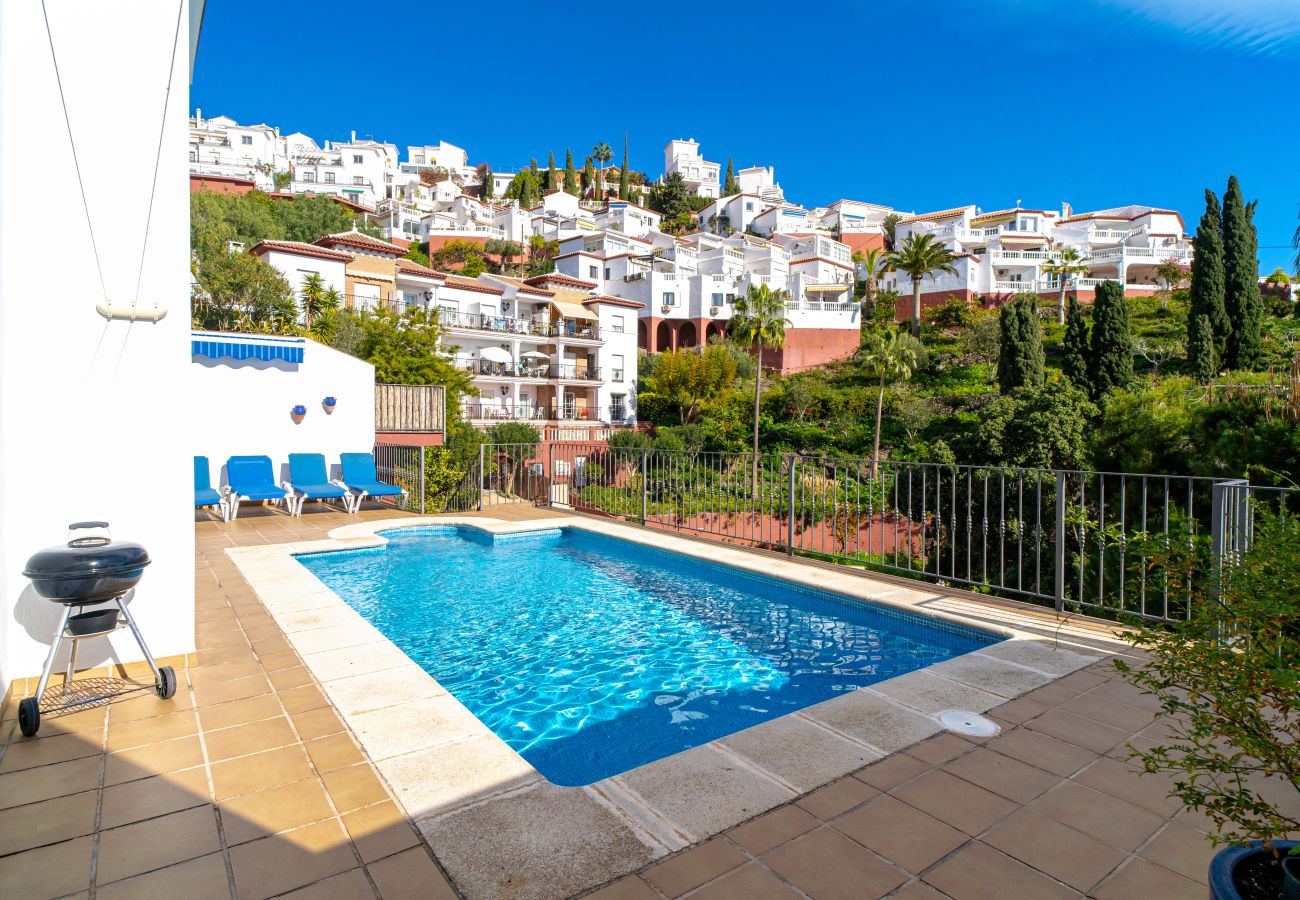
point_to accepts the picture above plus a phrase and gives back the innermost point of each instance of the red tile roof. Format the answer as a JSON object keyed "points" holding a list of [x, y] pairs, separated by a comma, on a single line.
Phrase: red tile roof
{"points": [[468, 284], [523, 286], [560, 279], [999, 213], [615, 301], [299, 248], [360, 241], [411, 267], [940, 214]]}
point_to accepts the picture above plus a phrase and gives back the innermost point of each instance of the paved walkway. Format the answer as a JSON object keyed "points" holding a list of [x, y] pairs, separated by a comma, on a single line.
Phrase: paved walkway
{"points": [[247, 785]]}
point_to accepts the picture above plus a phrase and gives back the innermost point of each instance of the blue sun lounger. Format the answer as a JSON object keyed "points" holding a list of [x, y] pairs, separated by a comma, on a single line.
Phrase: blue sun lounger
{"points": [[362, 481], [308, 481], [204, 493], [251, 478]]}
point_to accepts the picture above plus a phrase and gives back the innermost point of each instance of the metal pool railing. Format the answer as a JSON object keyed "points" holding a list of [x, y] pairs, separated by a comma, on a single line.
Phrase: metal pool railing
{"points": [[1093, 541]]}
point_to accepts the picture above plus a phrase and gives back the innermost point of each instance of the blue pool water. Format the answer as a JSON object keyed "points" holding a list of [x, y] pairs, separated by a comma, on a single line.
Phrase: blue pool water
{"points": [[590, 655]]}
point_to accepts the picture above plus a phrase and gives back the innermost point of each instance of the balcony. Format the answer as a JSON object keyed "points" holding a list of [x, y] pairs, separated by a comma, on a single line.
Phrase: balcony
{"points": [[576, 372], [487, 368], [487, 411], [452, 319]]}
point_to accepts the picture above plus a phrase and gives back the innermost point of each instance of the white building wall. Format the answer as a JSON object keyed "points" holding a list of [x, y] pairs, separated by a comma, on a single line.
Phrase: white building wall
{"points": [[243, 407], [296, 268], [94, 413]]}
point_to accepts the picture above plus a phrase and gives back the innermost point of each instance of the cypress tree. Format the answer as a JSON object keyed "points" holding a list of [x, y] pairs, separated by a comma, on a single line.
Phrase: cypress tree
{"points": [[486, 191], [1111, 364], [1200, 349], [1075, 347], [1241, 299], [570, 174], [532, 167], [552, 177], [730, 185], [589, 176], [623, 183], [1020, 356], [1207, 280]]}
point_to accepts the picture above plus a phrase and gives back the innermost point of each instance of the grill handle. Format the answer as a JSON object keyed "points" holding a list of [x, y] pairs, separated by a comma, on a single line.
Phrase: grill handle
{"points": [[90, 540]]}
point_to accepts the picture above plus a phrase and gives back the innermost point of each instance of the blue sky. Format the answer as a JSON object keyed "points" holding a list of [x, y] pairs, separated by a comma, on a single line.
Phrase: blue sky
{"points": [[920, 105]]}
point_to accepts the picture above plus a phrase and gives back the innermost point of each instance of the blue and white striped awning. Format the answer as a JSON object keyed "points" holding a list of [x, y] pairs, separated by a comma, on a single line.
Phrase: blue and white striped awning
{"points": [[263, 349]]}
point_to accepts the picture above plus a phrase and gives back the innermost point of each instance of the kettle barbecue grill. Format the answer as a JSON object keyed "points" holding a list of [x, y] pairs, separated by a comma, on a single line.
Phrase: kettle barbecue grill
{"points": [[88, 570]]}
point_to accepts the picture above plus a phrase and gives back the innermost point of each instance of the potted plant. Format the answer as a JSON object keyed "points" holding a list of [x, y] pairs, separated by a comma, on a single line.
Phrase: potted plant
{"points": [[298, 413], [1228, 681]]}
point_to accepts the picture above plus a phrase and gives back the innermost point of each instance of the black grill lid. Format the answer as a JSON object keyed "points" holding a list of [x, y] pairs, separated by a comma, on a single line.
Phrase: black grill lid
{"points": [[86, 556]]}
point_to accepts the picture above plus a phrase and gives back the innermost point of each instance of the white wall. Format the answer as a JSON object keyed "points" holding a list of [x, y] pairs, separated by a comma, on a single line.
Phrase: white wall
{"points": [[242, 408], [93, 412]]}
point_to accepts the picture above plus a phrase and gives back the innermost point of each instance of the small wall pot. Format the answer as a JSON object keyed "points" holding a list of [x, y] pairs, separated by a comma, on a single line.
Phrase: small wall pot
{"points": [[1223, 881], [298, 413], [328, 404]]}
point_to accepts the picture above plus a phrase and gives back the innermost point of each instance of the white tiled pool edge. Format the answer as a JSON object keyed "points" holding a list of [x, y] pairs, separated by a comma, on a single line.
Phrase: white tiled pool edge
{"points": [[484, 809]]}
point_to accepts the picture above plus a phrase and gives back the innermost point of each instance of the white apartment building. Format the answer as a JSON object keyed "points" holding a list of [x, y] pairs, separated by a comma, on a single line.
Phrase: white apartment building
{"points": [[441, 155], [701, 176], [1003, 253], [221, 146], [760, 180]]}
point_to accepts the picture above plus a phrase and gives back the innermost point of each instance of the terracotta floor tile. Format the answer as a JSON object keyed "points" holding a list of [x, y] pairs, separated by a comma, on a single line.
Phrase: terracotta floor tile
{"points": [[1109, 820], [826, 864], [751, 882], [354, 787], [1019, 711], [47, 871], [210, 676], [1143, 880], [150, 797], [629, 888], [905, 836], [1042, 751], [1002, 775], [892, 771], [978, 872], [124, 735], [1181, 849], [1053, 694], [251, 816], [939, 749], [950, 799], [301, 699], [270, 645], [1121, 690], [837, 798], [295, 676], [278, 662], [1077, 730], [1109, 711], [776, 827], [334, 752], [1147, 790], [917, 890], [259, 633], [25, 753], [153, 759], [1052, 848], [240, 712], [155, 843], [47, 822], [148, 705], [337, 887], [694, 867], [236, 689], [283, 862], [196, 879], [259, 771], [1082, 680], [380, 830], [48, 782], [241, 740], [410, 875], [89, 724], [317, 723]]}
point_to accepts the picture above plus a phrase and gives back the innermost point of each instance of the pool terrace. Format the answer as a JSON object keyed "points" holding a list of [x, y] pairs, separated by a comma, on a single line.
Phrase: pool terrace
{"points": [[261, 778]]}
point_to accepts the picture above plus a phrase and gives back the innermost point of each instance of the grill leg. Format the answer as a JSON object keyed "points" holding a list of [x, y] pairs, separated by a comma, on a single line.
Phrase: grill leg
{"points": [[54, 649], [72, 663], [139, 639]]}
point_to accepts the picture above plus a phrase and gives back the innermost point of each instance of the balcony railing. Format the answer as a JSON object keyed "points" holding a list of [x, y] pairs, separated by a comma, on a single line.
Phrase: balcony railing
{"points": [[509, 325], [493, 369], [488, 411], [579, 372]]}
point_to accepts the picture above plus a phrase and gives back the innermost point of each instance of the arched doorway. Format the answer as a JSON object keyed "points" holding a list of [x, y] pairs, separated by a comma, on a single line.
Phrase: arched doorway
{"points": [[686, 335], [664, 337], [715, 328], [642, 335]]}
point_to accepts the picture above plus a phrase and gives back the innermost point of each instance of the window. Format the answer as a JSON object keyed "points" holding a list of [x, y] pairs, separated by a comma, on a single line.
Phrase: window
{"points": [[308, 176], [616, 323], [607, 273], [194, 156], [593, 272], [731, 298], [329, 177], [618, 366], [246, 140], [357, 179], [617, 406], [749, 206], [670, 299], [358, 159], [717, 300]]}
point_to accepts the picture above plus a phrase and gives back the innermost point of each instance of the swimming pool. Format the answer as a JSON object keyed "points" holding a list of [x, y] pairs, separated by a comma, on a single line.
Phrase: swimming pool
{"points": [[591, 655]]}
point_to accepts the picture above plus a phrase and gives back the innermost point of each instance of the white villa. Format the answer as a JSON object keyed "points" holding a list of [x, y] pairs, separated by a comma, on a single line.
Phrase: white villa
{"points": [[701, 176]]}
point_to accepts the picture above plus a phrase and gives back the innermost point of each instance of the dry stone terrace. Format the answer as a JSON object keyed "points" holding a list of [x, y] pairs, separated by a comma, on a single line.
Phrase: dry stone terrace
{"points": [[249, 785]]}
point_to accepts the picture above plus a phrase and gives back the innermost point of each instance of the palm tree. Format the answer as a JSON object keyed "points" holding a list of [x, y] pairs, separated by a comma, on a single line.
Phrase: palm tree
{"points": [[872, 264], [890, 355], [316, 299], [1065, 265], [920, 256], [759, 319], [602, 154]]}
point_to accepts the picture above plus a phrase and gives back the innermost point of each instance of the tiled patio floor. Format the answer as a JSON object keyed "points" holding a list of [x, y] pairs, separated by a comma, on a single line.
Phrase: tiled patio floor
{"points": [[248, 785]]}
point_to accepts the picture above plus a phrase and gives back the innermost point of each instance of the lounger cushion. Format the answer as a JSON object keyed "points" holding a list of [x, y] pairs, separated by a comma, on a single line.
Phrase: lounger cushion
{"points": [[307, 475], [359, 474], [252, 478], [204, 495]]}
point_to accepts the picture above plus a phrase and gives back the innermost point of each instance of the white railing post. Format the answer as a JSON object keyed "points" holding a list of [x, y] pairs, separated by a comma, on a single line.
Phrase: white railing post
{"points": [[1059, 580], [480, 477]]}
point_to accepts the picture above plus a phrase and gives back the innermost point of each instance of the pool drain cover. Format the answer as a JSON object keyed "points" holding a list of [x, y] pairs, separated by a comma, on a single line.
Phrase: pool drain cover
{"points": [[964, 722]]}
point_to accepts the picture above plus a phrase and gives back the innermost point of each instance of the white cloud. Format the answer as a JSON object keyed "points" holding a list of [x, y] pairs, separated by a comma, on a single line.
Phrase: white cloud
{"points": [[1265, 27]]}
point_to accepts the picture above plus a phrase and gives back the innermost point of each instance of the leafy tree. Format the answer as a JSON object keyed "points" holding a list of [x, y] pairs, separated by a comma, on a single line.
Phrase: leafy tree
{"points": [[1201, 358], [983, 339], [570, 174], [1241, 299], [403, 349], [514, 433], [669, 197], [474, 267], [1065, 264], [532, 170], [602, 154], [871, 264], [485, 177], [456, 252], [730, 186], [322, 328], [890, 356], [506, 250], [921, 256], [951, 313], [1110, 365], [688, 379], [1020, 358], [1076, 348], [624, 182], [1045, 426], [552, 176], [758, 318], [541, 256], [239, 292], [416, 253], [523, 187], [282, 180], [887, 226], [1208, 286]]}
